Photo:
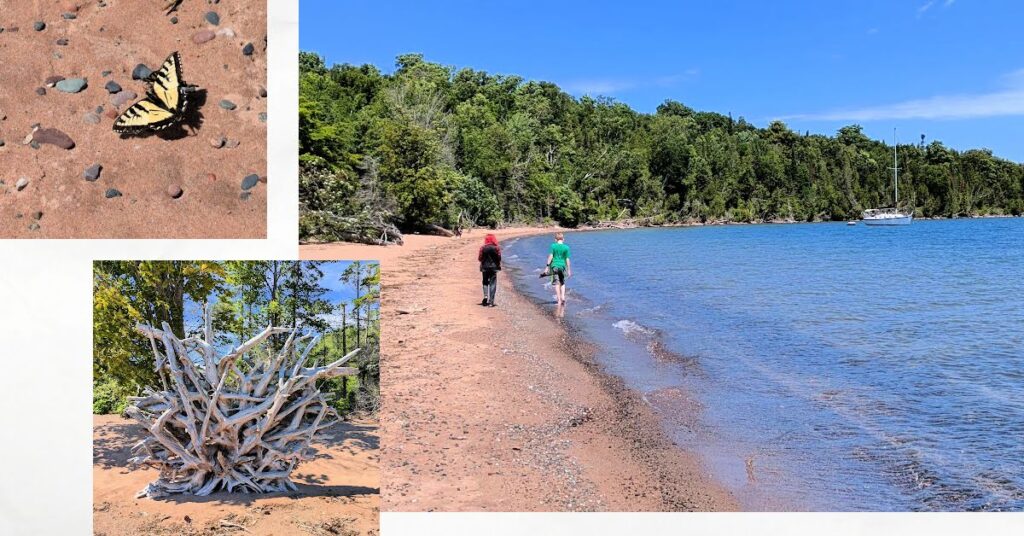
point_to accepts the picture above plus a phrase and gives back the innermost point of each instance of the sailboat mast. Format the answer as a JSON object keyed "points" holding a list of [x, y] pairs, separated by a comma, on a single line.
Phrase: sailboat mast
{"points": [[895, 170]]}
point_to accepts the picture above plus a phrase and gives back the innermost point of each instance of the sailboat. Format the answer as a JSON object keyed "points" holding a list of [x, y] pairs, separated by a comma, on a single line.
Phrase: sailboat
{"points": [[893, 215]]}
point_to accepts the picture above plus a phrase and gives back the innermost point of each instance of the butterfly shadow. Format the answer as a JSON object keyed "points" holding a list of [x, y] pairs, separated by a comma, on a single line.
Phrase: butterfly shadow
{"points": [[191, 121]]}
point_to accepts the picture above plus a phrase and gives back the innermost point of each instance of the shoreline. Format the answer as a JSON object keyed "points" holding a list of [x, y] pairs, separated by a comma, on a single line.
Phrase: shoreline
{"points": [[503, 409]]}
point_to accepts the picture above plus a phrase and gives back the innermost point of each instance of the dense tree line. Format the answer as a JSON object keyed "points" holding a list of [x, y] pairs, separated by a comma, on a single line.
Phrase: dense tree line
{"points": [[246, 296], [432, 145]]}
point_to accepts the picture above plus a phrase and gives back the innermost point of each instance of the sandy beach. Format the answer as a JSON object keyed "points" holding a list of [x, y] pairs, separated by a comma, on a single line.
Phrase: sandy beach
{"points": [[499, 409], [67, 174], [338, 491]]}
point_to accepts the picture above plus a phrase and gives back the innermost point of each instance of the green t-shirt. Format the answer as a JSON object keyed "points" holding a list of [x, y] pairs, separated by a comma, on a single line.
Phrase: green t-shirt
{"points": [[559, 254]]}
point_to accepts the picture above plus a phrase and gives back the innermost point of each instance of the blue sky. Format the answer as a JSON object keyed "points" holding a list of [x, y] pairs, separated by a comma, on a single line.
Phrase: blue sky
{"points": [[337, 291], [950, 69]]}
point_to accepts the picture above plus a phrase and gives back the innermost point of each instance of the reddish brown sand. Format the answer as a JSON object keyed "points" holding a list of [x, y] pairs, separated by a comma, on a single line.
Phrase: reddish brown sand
{"points": [[116, 38], [496, 409], [338, 491]]}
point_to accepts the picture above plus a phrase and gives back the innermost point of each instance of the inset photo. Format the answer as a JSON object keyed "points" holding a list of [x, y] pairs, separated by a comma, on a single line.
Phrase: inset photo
{"points": [[122, 119], [236, 397]]}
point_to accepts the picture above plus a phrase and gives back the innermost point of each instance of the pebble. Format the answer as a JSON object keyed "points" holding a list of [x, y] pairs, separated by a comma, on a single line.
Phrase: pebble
{"points": [[141, 72], [69, 16], [263, 117], [2, 143], [174, 191], [228, 105], [40, 91], [174, 20], [92, 172], [21, 184], [39, 26], [213, 18], [52, 81], [112, 193], [203, 36], [34, 226], [72, 85], [225, 32], [248, 49], [217, 143], [113, 87], [123, 97], [53, 137], [37, 215], [106, 73], [244, 196], [249, 182], [62, 42], [231, 144], [211, 177], [263, 92], [91, 119]]}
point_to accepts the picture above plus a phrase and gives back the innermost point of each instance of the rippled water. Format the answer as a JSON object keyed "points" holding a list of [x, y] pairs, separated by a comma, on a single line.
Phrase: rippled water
{"points": [[819, 366]]}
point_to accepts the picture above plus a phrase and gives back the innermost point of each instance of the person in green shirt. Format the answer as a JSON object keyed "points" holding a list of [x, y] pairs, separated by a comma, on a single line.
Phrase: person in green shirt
{"points": [[559, 266]]}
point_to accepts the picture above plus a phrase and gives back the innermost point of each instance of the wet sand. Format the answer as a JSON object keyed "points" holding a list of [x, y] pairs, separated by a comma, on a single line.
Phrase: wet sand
{"points": [[500, 409], [338, 491]]}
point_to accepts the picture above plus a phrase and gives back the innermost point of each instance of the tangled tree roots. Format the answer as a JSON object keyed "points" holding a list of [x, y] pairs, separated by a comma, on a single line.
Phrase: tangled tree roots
{"points": [[239, 422]]}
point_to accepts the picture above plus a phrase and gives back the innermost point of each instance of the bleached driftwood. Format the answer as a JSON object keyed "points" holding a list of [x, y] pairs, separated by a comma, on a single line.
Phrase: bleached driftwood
{"points": [[241, 421]]}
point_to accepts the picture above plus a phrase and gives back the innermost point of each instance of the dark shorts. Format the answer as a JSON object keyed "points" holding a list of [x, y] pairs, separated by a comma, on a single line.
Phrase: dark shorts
{"points": [[559, 274]]}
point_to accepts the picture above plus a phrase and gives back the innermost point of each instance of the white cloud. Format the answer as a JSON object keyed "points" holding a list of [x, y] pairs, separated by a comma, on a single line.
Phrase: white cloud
{"points": [[1008, 101], [925, 7], [613, 86]]}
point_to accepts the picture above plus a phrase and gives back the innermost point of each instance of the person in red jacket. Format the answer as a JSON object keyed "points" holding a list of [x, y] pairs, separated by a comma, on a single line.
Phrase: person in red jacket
{"points": [[490, 264]]}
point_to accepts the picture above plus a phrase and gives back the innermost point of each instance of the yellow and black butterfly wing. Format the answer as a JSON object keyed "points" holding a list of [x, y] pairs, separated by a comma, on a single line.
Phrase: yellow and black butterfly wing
{"points": [[166, 89], [144, 115]]}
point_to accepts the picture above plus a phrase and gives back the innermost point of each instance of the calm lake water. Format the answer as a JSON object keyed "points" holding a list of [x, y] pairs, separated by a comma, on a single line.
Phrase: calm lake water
{"points": [[818, 366]]}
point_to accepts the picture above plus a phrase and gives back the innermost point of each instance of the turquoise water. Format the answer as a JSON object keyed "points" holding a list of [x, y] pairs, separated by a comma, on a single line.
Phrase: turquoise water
{"points": [[818, 366]]}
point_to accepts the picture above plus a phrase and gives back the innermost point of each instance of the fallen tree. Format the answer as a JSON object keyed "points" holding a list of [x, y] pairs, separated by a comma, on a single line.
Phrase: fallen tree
{"points": [[241, 421], [364, 228]]}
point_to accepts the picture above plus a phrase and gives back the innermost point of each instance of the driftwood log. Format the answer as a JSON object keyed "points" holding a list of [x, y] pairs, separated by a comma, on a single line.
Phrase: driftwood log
{"points": [[241, 421], [362, 228]]}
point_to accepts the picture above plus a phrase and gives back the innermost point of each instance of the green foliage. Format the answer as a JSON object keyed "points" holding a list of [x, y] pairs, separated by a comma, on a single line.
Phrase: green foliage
{"points": [[436, 145], [247, 296]]}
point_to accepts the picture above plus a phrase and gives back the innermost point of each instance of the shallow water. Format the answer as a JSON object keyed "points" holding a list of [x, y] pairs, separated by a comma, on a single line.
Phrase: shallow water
{"points": [[818, 366]]}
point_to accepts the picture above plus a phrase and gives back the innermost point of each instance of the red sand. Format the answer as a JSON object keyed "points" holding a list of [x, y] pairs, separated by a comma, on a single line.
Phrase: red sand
{"points": [[116, 38], [496, 409], [338, 491]]}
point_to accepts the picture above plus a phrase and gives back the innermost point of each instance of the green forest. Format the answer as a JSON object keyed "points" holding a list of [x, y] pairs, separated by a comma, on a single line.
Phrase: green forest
{"points": [[245, 297], [431, 145]]}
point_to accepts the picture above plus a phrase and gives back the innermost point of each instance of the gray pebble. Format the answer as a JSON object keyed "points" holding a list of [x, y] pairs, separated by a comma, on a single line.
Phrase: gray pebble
{"points": [[248, 49], [250, 182], [106, 73], [62, 42], [113, 87], [228, 105], [112, 193], [39, 26], [72, 85], [69, 16], [213, 18], [21, 184], [33, 226], [93, 172], [141, 72], [263, 117], [244, 196], [174, 20], [122, 98], [91, 119], [40, 91]]}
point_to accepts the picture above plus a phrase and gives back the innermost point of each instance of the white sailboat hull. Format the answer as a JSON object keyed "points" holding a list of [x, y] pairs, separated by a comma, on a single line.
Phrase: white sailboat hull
{"points": [[903, 219]]}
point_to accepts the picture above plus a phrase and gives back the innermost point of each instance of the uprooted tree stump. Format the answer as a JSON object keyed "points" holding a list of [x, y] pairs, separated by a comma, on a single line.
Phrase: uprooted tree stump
{"points": [[241, 421]]}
